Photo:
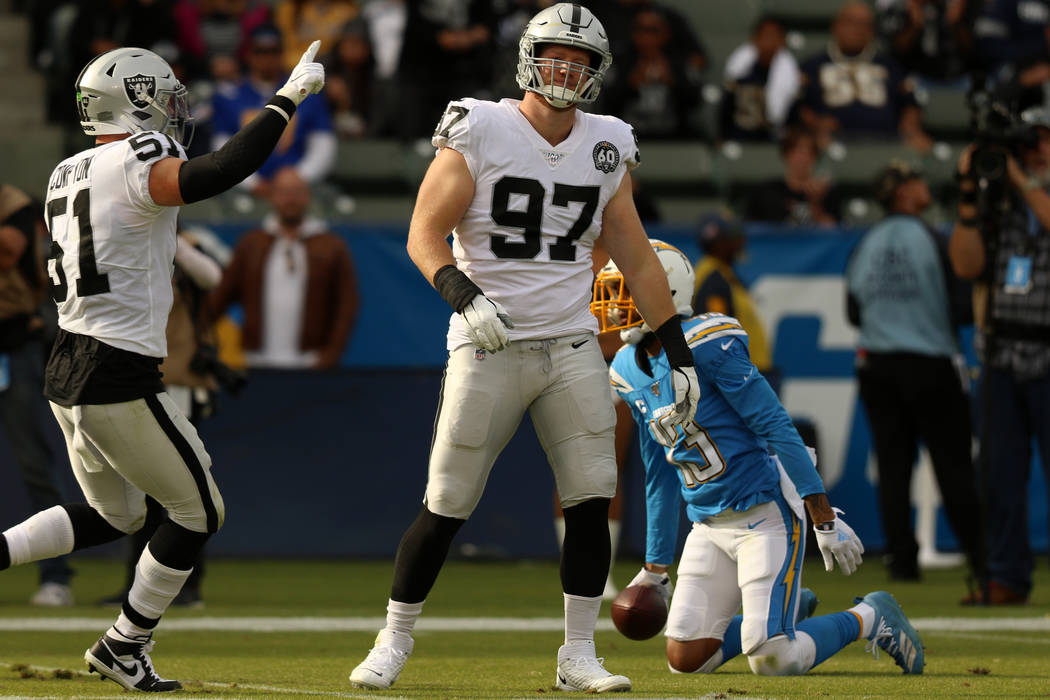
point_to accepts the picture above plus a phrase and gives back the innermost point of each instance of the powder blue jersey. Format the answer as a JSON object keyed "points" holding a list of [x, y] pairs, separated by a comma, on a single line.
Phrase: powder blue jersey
{"points": [[722, 459]]}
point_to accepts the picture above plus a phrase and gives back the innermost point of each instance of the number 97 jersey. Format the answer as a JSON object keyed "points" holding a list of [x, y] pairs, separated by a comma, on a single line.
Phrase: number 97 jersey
{"points": [[527, 235], [113, 247]]}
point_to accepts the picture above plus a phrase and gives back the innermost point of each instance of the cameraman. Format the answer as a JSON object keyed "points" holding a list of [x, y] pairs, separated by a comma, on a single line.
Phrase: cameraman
{"points": [[1004, 244]]}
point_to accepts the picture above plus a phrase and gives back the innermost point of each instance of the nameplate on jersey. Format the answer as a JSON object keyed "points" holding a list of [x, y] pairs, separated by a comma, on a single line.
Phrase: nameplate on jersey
{"points": [[553, 158]]}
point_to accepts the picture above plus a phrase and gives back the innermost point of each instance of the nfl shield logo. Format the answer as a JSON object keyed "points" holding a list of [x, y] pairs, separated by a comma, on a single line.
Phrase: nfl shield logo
{"points": [[552, 158], [655, 388], [479, 353], [140, 89]]}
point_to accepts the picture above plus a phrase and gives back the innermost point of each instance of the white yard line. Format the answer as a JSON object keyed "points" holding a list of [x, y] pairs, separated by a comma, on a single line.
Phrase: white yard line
{"points": [[448, 624]]}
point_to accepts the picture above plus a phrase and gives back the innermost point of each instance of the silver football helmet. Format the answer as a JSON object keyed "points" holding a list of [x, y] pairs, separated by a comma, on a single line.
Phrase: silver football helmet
{"points": [[125, 91], [614, 307], [568, 24]]}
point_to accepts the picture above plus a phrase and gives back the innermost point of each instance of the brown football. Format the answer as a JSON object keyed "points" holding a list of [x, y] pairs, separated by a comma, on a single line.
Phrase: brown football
{"points": [[639, 612]]}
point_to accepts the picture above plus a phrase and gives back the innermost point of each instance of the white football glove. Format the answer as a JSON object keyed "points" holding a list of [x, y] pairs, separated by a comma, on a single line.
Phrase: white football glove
{"points": [[307, 77], [487, 322], [661, 582], [840, 544], [686, 397]]}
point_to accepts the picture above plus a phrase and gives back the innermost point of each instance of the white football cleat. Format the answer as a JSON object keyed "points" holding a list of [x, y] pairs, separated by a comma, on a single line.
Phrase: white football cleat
{"points": [[384, 662], [128, 664], [579, 669], [53, 595]]}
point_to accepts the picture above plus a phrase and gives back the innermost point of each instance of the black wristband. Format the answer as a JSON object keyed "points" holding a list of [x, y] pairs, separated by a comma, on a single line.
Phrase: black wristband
{"points": [[213, 173], [673, 340], [455, 287]]}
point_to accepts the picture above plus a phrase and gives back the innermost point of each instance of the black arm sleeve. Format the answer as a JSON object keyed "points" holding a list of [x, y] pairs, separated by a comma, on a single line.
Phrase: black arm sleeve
{"points": [[455, 287], [208, 175], [671, 337]]}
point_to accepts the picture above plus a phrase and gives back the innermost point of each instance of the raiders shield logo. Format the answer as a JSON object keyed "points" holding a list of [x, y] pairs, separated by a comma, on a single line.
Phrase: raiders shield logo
{"points": [[606, 157], [140, 89]]}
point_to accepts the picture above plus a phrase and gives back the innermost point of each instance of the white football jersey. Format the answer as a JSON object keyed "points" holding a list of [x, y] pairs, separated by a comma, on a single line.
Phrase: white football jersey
{"points": [[113, 248], [526, 238]]}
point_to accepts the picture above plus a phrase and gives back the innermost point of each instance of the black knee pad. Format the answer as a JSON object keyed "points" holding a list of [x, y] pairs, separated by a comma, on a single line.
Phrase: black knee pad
{"points": [[421, 555], [586, 552], [176, 547], [89, 527]]}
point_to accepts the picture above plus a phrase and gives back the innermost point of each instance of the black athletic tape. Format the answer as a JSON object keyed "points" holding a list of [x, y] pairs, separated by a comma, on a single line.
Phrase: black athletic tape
{"points": [[89, 527], [213, 173], [673, 340], [455, 287]]}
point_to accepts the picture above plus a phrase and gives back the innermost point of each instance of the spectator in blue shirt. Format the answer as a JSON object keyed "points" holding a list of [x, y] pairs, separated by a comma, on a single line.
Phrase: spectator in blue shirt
{"points": [[308, 143], [853, 90], [906, 300]]}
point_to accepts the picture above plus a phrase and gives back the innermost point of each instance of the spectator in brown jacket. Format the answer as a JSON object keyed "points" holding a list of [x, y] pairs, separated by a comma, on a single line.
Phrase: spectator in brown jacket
{"points": [[296, 283]]}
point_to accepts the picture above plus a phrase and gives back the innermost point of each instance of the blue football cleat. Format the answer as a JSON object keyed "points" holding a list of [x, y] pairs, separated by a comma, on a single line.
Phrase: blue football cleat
{"points": [[893, 633], [807, 604]]}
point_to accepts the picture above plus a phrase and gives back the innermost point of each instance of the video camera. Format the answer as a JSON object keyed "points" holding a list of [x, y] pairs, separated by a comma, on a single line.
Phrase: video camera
{"points": [[998, 132]]}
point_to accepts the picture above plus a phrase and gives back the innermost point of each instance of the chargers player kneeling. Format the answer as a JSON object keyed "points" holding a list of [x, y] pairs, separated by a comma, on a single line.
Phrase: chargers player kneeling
{"points": [[746, 544]]}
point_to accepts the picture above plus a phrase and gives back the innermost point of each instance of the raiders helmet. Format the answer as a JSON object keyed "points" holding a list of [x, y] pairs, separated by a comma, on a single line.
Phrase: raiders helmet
{"points": [[568, 24], [614, 307], [125, 91]]}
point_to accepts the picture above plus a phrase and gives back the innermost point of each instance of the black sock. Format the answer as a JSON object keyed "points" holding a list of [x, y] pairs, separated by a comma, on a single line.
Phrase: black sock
{"points": [[89, 528], [421, 554], [5, 554], [586, 552], [176, 547]]}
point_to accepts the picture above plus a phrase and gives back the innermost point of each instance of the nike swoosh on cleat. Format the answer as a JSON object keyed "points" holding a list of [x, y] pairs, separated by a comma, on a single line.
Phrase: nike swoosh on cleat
{"points": [[577, 345], [752, 526], [130, 670], [562, 680]]}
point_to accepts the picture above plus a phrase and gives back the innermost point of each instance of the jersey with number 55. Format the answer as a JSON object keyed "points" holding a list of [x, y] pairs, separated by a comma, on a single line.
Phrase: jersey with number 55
{"points": [[527, 236], [721, 459], [113, 248]]}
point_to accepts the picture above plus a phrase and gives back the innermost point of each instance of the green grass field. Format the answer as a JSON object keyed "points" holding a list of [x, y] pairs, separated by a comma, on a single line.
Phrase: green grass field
{"points": [[41, 651]]}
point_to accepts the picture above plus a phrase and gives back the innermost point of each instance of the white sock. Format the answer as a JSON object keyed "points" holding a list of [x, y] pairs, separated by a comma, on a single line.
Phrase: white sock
{"points": [[151, 593], [866, 613], [559, 531], [47, 534], [581, 617], [401, 617], [614, 539]]}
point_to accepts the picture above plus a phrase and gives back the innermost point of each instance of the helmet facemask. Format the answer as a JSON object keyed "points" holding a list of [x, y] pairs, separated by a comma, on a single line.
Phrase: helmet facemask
{"points": [[571, 25]]}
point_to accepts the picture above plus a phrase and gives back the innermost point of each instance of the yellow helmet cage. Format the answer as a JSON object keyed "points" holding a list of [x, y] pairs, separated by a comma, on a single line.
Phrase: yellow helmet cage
{"points": [[611, 301]]}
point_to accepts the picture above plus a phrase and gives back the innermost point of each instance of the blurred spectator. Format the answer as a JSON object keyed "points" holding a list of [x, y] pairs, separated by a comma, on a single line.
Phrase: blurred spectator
{"points": [[296, 283], [719, 290], [931, 38], [191, 377], [618, 19], [653, 88], [800, 197], [853, 90], [23, 350], [348, 80], [212, 32], [303, 21], [908, 304], [761, 81], [446, 53], [308, 143], [1007, 31], [385, 20]]}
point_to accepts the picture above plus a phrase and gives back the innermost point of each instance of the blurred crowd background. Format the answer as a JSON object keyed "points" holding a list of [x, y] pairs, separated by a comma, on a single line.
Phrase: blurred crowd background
{"points": [[784, 110]]}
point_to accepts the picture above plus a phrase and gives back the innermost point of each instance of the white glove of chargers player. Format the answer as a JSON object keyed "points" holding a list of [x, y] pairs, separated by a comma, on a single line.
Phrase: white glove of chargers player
{"points": [[306, 78], [487, 322], [686, 397], [840, 544], [661, 582]]}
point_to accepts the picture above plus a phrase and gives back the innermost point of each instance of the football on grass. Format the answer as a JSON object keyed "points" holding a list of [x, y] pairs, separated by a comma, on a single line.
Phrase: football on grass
{"points": [[639, 612]]}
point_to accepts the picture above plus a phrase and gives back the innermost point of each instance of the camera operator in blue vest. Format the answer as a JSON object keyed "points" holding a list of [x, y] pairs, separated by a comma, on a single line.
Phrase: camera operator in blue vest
{"points": [[1001, 239]]}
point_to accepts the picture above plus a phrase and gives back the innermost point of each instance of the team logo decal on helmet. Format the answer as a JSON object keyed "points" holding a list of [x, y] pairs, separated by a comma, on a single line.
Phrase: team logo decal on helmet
{"points": [[606, 157], [140, 89]]}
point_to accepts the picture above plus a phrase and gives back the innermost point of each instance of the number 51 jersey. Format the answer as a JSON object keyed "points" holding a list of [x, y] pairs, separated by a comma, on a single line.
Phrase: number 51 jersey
{"points": [[113, 248], [527, 235]]}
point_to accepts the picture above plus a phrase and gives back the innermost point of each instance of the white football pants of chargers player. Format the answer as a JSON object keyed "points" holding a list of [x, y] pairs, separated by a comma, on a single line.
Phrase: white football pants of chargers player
{"points": [[564, 385], [121, 451], [752, 559]]}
